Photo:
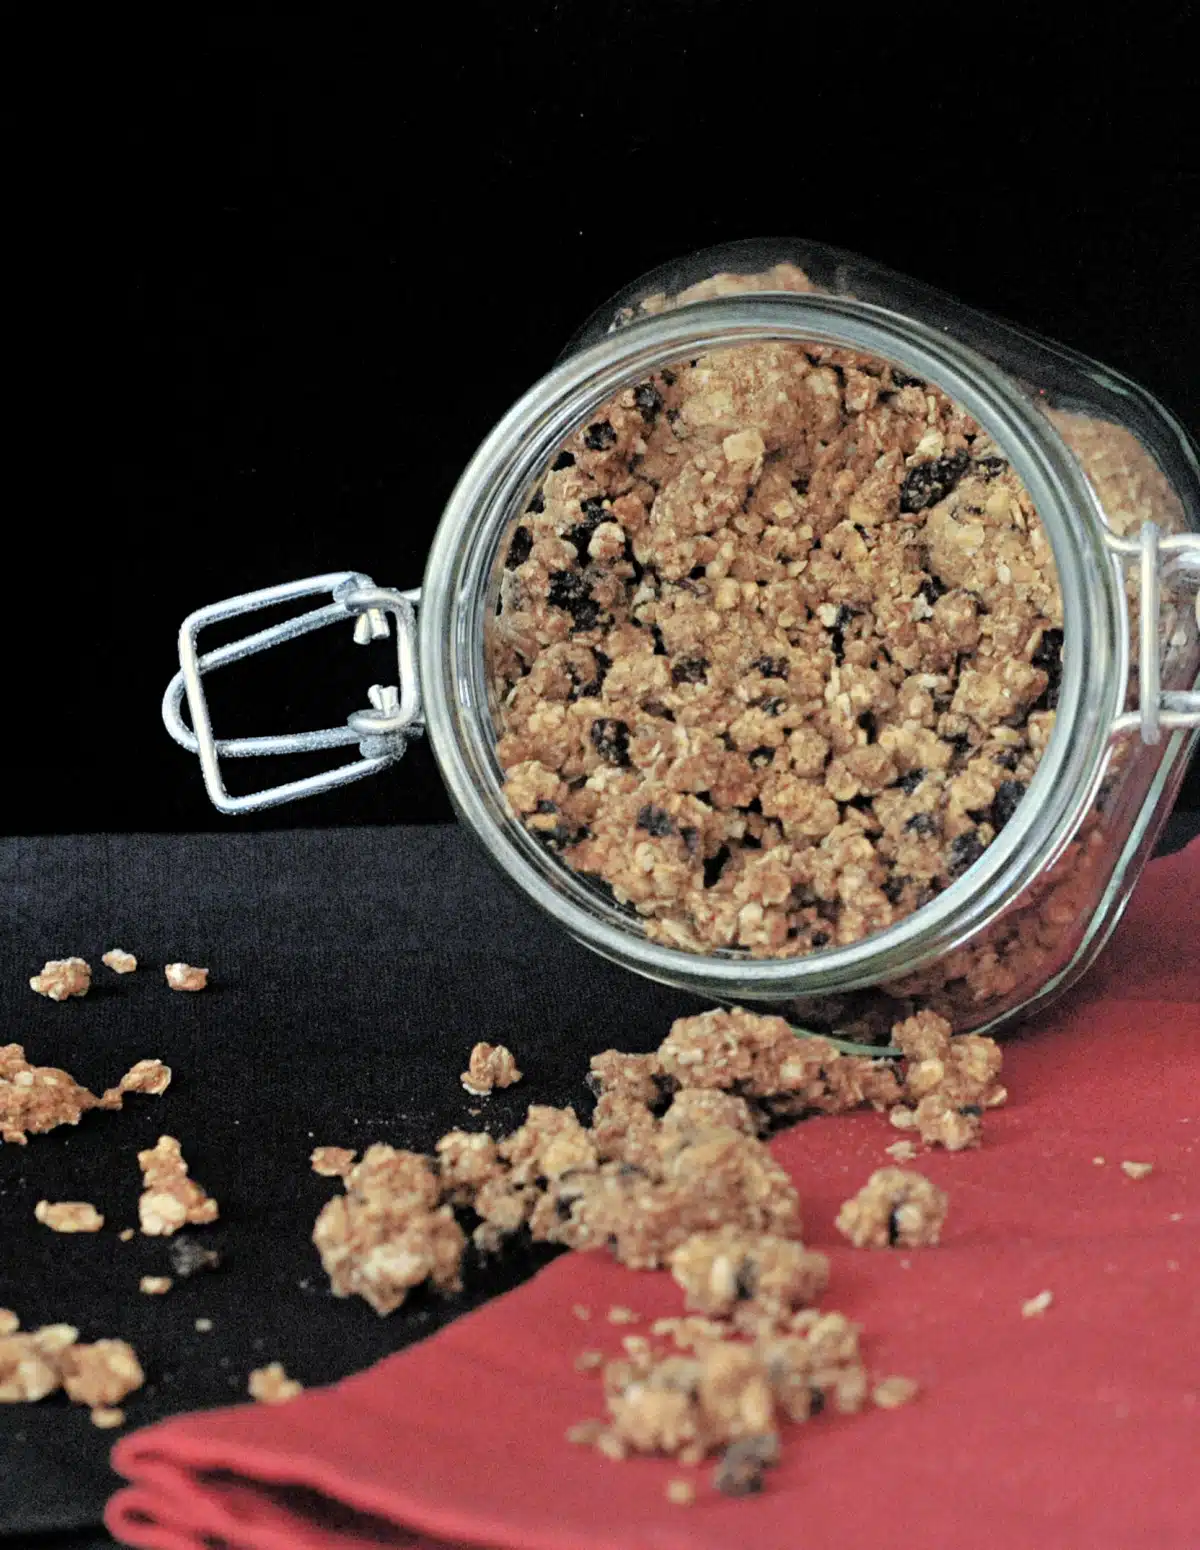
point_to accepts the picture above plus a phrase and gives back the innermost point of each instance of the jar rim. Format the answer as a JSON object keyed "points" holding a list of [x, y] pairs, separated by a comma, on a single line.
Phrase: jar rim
{"points": [[492, 491]]}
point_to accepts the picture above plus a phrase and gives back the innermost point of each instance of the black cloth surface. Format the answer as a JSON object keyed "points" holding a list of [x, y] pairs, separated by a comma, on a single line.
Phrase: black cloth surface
{"points": [[352, 970]]}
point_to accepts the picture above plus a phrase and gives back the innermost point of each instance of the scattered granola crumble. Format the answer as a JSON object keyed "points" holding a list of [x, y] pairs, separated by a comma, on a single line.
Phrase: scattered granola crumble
{"points": [[902, 1151], [270, 1385], [581, 1311], [387, 1233], [147, 1076], [203, 1326], [100, 1374], [891, 1393], [619, 1314], [155, 1286], [894, 1207], [107, 1416], [588, 1361], [490, 1066], [1137, 1170], [681, 1493], [185, 976], [170, 1199], [34, 1099], [63, 977], [126, 1234], [332, 1162], [119, 961], [68, 1216], [1034, 1307]]}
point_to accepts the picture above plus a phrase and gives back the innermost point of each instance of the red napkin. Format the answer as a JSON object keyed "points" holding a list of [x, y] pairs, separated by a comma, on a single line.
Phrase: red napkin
{"points": [[1077, 1428]]}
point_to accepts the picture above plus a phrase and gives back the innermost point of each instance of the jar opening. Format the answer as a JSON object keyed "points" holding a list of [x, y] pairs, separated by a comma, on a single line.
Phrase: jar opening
{"points": [[483, 540]]}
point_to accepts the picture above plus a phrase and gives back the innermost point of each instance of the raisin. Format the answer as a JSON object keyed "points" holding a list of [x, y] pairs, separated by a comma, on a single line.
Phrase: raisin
{"points": [[691, 839], [1007, 758], [1008, 795], [570, 592], [648, 399], [519, 549], [1048, 657], [819, 939], [760, 757], [901, 380], [537, 504], [923, 824], [544, 806], [931, 589], [930, 482], [800, 484], [668, 376], [893, 1227], [660, 649], [610, 739], [655, 821], [893, 889], [563, 460], [771, 667], [971, 1110], [580, 535], [690, 670], [990, 467], [965, 851], [697, 573], [740, 1472], [869, 725], [599, 436], [909, 783], [714, 866]]}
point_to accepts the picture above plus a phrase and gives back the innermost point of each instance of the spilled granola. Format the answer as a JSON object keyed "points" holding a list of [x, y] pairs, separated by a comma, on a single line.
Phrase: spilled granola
{"points": [[34, 1099], [170, 1199]]}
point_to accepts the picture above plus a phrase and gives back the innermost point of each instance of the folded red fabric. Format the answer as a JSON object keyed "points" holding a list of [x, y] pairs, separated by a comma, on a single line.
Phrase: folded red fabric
{"points": [[1080, 1427]]}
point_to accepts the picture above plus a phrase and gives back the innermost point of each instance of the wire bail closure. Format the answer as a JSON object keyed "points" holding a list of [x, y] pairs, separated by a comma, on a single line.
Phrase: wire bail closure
{"points": [[1154, 554], [382, 731]]}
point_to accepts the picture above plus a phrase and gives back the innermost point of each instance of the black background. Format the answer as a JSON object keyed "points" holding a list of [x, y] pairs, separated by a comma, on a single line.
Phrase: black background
{"points": [[280, 276]]}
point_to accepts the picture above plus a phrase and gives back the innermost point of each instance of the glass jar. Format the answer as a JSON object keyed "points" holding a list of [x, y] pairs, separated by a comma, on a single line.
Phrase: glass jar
{"points": [[1114, 479]]}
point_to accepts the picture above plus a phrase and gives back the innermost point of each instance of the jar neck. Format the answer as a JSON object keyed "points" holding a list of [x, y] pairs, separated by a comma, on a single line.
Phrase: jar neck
{"points": [[458, 601]]}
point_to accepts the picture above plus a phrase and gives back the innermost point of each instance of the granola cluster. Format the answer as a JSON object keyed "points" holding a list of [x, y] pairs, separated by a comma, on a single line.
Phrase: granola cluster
{"points": [[696, 1387], [270, 1385], [387, 1233], [170, 1199], [37, 1363], [63, 977], [670, 1172], [894, 1208], [490, 1066], [68, 1216], [34, 1099], [778, 647]]}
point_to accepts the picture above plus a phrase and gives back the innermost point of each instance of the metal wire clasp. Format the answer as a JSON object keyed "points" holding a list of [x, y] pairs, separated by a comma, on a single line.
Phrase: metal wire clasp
{"points": [[382, 732], [1154, 555]]}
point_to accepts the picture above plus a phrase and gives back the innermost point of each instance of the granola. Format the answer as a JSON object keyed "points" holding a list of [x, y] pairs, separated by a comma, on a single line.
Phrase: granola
{"points": [[34, 1099], [332, 1162], [185, 976], [896, 1207], [769, 643], [155, 1286], [63, 977], [722, 1269], [270, 1385], [119, 961], [387, 1233], [68, 1216], [170, 1199], [891, 1393], [490, 1065]]}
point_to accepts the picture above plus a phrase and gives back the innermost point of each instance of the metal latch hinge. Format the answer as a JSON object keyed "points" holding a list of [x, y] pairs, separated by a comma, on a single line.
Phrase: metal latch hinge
{"points": [[382, 731]]}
